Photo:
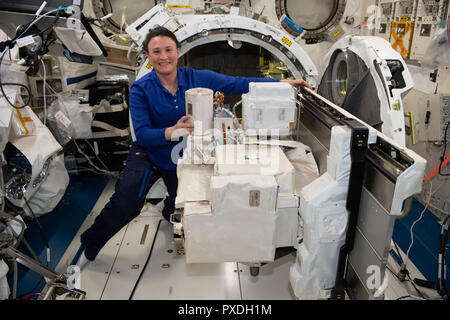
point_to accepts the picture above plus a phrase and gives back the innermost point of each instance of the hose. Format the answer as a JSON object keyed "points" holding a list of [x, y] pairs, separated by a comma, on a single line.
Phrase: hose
{"points": [[235, 105], [15, 279], [129, 54]]}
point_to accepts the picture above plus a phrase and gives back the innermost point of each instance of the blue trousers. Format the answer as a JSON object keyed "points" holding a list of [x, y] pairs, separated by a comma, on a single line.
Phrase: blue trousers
{"points": [[138, 176]]}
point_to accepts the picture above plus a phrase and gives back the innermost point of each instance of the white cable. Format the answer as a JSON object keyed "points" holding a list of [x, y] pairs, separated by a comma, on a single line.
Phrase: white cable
{"points": [[231, 136], [41, 8], [421, 215], [91, 163], [420, 218], [411, 232], [45, 14], [43, 86], [53, 90], [109, 15], [416, 297], [106, 171], [129, 54], [437, 209], [235, 105], [96, 155], [233, 116]]}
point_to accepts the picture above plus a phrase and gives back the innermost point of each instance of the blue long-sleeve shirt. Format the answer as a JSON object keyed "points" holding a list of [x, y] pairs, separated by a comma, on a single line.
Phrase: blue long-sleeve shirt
{"points": [[153, 108]]}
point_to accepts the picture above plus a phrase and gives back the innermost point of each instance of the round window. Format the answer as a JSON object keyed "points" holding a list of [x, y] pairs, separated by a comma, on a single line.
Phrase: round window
{"points": [[311, 15]]}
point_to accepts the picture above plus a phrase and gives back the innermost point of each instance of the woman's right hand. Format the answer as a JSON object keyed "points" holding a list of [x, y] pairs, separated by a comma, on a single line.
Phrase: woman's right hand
{"points": [[181, 128]]}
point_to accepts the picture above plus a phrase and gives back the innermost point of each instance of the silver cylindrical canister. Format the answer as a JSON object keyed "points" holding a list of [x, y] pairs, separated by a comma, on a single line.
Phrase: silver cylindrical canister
{"points": [[199, 104]]}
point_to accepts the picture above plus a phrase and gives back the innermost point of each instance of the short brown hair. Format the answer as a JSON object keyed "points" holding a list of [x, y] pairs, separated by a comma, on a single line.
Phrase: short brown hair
{"points": [[159, 31]]}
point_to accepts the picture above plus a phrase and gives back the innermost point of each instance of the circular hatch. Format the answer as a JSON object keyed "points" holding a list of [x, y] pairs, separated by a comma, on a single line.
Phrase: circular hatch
{"points": [[314, 17], [130, 10]]}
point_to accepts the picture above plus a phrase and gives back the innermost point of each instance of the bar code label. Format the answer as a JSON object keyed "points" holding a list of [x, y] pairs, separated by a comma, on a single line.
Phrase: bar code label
{"points": [[25, 41], [62, 119]]}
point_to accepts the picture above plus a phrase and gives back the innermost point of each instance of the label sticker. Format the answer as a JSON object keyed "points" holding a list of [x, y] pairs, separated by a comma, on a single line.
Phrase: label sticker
{"points": [[62, 119], [286, 41], [25, 41]]}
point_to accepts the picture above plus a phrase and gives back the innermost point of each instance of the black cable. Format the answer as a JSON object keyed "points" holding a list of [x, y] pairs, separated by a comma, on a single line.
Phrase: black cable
{"points": [[413, 284], [443, 153], [110, 6], [407, 272], [106, 32], [41, 230], [146, 262], [47, 42], [403, 297], [442, 286], [442, 249], [52, 24], [398, 251], [19, 85], [393, 273], [14, 84]]}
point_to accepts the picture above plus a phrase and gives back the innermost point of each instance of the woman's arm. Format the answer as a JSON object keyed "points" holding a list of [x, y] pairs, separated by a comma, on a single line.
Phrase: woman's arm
{"points": [[146, 134], [236, 85]]}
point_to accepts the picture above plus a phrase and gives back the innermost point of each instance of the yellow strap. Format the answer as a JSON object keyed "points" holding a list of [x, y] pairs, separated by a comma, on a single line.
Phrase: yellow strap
{"points": [[178, 6], [23, 120]]}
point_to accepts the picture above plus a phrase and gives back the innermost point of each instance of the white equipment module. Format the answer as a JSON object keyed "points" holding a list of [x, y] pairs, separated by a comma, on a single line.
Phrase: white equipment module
{"points": [[269, 106]]}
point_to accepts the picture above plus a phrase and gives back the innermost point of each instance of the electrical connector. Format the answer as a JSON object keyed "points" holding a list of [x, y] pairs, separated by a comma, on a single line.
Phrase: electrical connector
{"points": [[403, 273]]}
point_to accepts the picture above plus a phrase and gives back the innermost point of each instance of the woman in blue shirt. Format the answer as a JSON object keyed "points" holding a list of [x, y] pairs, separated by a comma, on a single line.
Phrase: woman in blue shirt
{"points": [[157, 106]]}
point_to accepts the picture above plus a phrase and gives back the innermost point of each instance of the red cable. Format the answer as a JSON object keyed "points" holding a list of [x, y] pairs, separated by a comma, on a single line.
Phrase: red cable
{"points": [[437, 168], [27, 296]]}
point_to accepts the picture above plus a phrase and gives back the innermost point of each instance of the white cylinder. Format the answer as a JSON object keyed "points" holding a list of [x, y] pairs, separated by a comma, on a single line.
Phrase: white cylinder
{"points": [[199, 104]]}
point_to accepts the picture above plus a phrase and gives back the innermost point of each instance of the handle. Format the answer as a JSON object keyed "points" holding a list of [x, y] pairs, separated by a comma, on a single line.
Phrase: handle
{"points": [[406, 208], [410, 115]]}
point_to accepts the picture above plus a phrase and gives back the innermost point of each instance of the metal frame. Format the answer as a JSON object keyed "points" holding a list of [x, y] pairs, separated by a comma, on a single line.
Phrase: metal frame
{"points": [[386, 165], [58, 282], [195, 30]]}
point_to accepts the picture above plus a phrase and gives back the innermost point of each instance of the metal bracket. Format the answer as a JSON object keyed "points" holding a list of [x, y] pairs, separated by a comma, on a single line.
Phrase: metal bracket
{"points": [[73, 22], [58, 282], [358, 149]]}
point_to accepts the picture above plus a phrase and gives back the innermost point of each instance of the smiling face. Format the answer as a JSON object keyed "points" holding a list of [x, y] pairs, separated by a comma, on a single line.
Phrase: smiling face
{"points": [[163, 54]]}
